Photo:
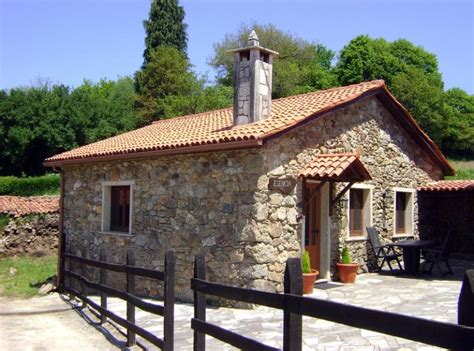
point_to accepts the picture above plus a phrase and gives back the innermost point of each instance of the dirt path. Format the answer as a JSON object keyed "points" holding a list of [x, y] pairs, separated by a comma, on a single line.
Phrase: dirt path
{"points": [[49, 323]]}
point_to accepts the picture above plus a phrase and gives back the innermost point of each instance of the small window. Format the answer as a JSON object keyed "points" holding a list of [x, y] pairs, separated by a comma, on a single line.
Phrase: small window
{"points": [[244, 56], [117, 206], [120, 208], [360, 209], [356, 219], [403, 221], [265, 57]]}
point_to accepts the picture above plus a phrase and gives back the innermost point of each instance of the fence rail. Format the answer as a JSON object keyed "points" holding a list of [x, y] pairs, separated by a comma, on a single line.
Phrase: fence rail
{"points": [[447, 335], [166, 310]]}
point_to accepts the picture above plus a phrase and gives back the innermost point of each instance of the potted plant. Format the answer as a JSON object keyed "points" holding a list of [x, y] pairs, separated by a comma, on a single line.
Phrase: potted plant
{"points": [[347, 268], [309, 275]]}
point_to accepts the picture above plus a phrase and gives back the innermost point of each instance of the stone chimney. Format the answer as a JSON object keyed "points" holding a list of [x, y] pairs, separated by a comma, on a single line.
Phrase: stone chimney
{"points": [[252, 81]]}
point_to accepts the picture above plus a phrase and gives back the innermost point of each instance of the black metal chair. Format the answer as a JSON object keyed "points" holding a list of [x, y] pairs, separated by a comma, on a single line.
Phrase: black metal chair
{"points": [[384, 252], [436, 255]]}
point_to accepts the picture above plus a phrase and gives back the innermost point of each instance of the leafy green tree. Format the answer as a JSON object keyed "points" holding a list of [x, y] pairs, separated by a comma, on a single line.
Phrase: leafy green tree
{"points": [[167, 87], [37, 122], [422, 95], [98, 111], [301, 66], [166, 77], [33, 126], [458, 137], [164, 26], [409, 71]]}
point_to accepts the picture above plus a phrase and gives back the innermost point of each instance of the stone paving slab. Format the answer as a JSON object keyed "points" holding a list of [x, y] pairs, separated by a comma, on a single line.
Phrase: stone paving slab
{"points": [[430, 296]]}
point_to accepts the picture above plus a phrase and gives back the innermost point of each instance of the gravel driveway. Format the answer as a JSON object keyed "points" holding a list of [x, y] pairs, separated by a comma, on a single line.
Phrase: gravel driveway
{"points": [[49, 323]]}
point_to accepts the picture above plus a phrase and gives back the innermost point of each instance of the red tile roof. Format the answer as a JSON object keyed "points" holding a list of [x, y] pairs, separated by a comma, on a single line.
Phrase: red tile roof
{"points": [[214, 130], [20, 206], [337, 167], [449, 185]]}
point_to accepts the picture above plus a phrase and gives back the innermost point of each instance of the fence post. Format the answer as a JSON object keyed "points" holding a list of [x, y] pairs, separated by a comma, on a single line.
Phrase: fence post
{"points": [[69, 281], [131, 338], [169, 302], [83, 270], [292, 322], [466, 300], [103, 281], [199, 302]]}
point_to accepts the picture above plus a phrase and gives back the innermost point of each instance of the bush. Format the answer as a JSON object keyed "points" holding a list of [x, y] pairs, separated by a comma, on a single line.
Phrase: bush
{"points": [[305, 263], [44, 185], [346, 256], [4, 219]]}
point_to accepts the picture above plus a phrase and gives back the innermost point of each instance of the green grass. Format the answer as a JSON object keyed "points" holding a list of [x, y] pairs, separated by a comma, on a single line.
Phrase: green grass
{"points": [[464, 169], [30, 273]]}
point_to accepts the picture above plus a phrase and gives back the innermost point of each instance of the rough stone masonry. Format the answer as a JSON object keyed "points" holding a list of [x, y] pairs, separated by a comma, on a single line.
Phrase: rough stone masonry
{"points": [[219, 203]]}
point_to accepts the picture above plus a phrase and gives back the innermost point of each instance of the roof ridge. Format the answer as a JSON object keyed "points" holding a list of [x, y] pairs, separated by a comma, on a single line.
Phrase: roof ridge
{"points": [[189, 116], [379, 82]]}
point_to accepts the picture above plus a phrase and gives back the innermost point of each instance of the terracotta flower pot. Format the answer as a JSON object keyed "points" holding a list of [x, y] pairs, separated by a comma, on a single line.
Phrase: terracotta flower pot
{"points": [[308, 281], [347, 272]]}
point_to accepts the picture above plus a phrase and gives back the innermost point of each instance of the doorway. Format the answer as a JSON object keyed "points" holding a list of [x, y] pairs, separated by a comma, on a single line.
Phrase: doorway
{"points": [[312, 239]]}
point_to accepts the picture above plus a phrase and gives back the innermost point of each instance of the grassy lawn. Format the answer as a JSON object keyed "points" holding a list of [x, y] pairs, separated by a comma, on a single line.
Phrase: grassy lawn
{"points": [[464, 169], [30, 271]]}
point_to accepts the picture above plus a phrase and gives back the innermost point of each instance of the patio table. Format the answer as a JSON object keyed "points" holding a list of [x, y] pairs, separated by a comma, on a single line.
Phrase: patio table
{"points": [[411, 253]]}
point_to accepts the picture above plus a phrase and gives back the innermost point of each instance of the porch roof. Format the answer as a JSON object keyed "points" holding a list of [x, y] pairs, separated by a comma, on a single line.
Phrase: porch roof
{"points": [[337, 168], [449, 186]]}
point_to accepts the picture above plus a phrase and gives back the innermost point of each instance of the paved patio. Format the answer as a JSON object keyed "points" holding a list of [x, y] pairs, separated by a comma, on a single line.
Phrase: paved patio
{"points": [[430, 296]]}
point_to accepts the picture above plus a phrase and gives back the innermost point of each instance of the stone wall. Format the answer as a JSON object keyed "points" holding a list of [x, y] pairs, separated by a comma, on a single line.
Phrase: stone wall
{"points": [[391, 156], [219, 203], [30, 235]]}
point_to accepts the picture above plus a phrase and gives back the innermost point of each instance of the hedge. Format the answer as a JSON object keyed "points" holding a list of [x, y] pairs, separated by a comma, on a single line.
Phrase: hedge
{"points": [[29, 186]]}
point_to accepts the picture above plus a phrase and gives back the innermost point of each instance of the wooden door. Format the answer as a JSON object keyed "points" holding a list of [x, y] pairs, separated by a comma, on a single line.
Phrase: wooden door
{"points": [[313, 225]]}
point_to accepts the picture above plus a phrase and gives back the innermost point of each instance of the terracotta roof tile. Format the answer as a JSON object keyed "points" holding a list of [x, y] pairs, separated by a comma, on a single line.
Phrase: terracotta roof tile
{"points": [[20, 206], [215, 127], [336, 167], [449, 185]]}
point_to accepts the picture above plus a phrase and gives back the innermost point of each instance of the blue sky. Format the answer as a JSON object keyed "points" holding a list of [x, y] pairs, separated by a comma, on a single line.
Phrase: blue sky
{"points": [[70, 40]]}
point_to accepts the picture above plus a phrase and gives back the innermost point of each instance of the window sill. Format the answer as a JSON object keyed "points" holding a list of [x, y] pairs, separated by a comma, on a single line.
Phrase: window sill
{"points": [[117, 234], [356, 238]]}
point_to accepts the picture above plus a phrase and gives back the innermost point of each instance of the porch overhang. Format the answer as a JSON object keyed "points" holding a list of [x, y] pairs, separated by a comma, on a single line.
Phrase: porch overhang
{"points": [[331, 168], [336, 168]]}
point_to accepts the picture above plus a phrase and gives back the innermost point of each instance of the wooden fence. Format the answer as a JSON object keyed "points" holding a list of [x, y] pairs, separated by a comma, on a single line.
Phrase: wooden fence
{"points": [[294, 306], [166, 310]]}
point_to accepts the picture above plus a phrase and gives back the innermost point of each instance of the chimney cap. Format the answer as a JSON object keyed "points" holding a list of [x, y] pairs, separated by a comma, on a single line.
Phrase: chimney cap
{"points": [[253, 39], [254, 43]]}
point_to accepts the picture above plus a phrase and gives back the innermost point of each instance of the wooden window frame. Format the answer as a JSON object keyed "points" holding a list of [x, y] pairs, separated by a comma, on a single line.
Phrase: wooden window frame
{"points": [[356, 232], [120, 197], [107, 227], [409, 216], [367, 211]]}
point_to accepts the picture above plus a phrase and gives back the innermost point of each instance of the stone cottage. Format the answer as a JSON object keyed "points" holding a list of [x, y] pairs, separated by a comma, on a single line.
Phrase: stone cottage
{"points": [[252, 185]]}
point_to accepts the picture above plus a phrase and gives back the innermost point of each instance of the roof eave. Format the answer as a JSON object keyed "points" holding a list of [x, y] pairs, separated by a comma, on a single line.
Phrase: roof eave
{"points": [[232, 145]]}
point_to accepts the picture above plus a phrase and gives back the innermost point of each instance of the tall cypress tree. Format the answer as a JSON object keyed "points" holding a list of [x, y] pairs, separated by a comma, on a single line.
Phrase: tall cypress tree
{"points": [[164, 26]]}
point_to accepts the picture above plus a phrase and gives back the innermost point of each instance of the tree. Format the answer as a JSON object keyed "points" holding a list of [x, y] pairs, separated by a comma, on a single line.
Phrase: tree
{"points": [[458, 138], [167, 87], [300, 67], [164, 26], [38, 122], [409, 71]]}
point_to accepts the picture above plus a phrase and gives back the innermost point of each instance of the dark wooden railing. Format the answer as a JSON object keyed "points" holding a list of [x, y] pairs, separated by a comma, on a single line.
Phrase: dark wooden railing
{"points": [[294, 306], [166, 310]]}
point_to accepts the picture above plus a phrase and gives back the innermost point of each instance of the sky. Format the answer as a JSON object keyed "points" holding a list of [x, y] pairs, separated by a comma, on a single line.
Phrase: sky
{"points": [[67, 41]]}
